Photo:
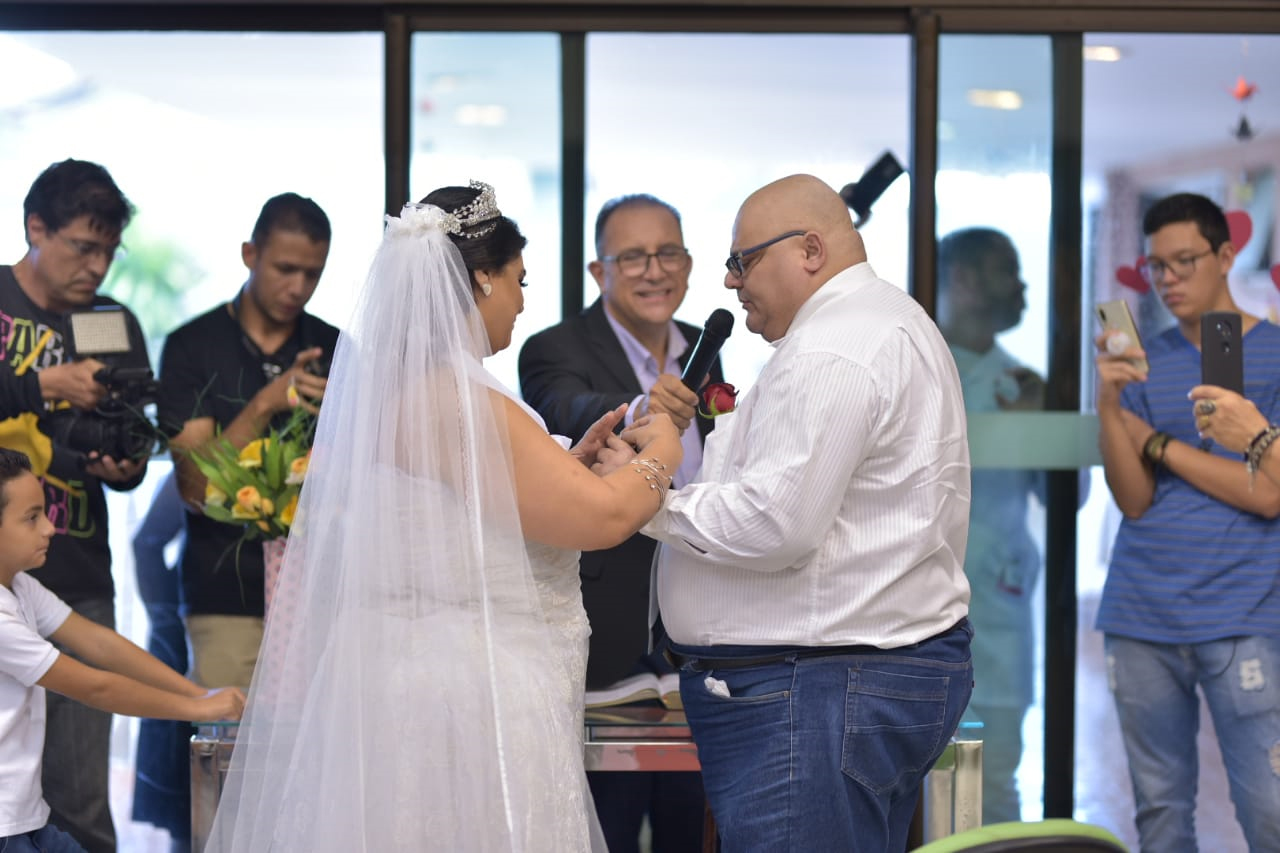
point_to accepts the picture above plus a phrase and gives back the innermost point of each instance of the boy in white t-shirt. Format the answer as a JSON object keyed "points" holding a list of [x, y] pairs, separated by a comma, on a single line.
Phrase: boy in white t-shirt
{"points": [[123, 679]]}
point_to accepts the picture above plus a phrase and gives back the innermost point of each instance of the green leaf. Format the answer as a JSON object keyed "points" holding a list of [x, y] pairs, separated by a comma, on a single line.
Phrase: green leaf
{"points": [[219, 461], [219, 513]]}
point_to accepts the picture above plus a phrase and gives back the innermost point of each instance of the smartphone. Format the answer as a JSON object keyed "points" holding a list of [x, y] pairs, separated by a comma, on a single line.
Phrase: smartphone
{"points": [[1222, 350], [1115, 315]]}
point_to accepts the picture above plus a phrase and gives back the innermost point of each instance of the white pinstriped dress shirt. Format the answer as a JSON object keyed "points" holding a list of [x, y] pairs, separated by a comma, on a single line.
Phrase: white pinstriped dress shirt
{"points": [[832, 507]]}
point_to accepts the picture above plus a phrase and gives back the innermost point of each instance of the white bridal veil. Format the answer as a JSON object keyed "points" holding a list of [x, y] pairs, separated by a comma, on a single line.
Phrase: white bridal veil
{"points": [[409, 695]]}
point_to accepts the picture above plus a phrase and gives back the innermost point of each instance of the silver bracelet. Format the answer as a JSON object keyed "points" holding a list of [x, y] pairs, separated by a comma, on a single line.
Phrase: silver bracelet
{"points": [[655, 473]]}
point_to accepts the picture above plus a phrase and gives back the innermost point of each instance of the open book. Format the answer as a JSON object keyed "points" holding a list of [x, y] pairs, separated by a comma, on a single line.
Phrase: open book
{"points": [[637, 688]]}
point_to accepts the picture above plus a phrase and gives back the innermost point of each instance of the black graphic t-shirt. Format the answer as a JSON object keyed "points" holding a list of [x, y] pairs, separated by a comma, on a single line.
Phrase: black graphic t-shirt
{"points": [[209, 369], [78, 567]]}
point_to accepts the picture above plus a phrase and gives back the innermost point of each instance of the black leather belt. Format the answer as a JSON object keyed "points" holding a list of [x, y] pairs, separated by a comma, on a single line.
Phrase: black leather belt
{"points": [[704, 663]]}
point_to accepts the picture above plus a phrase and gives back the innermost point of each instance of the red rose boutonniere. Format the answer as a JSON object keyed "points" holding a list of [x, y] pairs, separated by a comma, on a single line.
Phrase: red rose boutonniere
{"points": [[718, 398]]}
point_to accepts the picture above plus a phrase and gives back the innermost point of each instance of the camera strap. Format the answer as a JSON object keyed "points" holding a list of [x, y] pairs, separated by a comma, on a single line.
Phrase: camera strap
{"points": [[272, 365]]}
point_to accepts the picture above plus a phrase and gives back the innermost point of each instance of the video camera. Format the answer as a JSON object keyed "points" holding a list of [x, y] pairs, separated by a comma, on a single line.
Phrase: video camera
{"points": [[865, 191], [119, 425]]}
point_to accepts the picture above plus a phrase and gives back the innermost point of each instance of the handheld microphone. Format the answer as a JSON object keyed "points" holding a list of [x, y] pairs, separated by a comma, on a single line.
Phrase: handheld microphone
{"points": [[713, 336]]}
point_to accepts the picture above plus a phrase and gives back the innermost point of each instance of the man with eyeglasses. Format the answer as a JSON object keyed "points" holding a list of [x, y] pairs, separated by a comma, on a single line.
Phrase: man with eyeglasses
{"points": [[1191, 598], [812, 579], [74, 215], [627, 348]]}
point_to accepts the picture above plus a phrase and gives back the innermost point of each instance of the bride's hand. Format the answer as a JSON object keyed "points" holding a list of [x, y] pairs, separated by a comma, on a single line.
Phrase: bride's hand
{"points": [[597, 436], [650, 428], [613, 456]]}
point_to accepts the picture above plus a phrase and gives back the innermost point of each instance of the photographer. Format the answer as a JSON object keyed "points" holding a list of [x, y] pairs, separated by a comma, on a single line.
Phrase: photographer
{"points": [[74, 215], [230, 374]]}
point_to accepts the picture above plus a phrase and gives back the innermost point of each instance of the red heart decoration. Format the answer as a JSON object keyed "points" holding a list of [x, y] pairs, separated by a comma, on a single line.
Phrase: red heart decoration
{"points": [[1132, 279], [1239, 228], [1275, 275]]}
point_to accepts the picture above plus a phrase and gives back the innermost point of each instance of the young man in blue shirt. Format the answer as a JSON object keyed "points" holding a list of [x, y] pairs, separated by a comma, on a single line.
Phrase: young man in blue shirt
{"points": [[1191, 597]]}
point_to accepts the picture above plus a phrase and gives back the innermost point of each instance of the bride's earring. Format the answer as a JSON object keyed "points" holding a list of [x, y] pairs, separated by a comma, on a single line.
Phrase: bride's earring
{"points": [[486, 288]]}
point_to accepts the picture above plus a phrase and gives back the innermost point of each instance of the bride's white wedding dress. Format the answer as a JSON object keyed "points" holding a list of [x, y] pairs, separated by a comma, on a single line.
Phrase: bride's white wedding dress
{"points": [[456, 679]]}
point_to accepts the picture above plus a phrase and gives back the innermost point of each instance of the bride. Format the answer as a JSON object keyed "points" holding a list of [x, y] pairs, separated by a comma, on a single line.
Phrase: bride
{"points": [[420, 682]]}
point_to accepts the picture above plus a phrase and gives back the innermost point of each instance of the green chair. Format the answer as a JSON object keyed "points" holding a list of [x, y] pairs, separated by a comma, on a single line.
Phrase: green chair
{"points": [[1046, 836]]}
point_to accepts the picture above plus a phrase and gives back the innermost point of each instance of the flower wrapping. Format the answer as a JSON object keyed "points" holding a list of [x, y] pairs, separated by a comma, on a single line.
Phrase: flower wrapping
{"points": [[717, 398], [272, 562], [257, 486]]}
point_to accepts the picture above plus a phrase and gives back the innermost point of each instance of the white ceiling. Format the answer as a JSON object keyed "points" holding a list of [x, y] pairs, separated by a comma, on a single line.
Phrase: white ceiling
{"points": [[1172, 93]]}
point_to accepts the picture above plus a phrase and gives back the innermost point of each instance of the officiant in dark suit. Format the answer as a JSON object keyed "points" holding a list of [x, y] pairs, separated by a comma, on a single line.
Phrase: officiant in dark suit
{"points": [[627, 348]]}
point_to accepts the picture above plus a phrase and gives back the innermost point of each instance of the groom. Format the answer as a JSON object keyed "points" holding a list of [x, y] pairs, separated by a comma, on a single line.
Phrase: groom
{"points": [[812, 579]]}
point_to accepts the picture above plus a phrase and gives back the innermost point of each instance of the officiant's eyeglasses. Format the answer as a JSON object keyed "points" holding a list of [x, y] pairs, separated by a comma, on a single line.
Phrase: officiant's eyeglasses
{"points": [[734, 262], [634, 262]]}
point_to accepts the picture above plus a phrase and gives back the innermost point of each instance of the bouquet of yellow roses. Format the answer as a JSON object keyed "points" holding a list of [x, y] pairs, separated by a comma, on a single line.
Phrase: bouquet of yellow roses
{"points": [[257, 486]]}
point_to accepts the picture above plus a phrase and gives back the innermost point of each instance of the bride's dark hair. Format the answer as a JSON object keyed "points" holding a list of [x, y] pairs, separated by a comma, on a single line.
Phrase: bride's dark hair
{"points": [[489, 251]]}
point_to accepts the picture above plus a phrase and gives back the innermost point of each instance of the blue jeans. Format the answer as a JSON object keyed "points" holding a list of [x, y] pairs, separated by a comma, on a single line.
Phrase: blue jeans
{"points": [[162, 780], [823, 753], [46, 839], [1154, 686]]}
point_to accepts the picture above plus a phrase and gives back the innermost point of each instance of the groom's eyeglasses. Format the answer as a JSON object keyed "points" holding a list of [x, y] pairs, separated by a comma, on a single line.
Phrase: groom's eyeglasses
{"points": [[734, 262]]}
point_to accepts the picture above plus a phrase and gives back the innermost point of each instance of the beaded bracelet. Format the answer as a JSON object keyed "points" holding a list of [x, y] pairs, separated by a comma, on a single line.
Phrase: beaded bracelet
{"points": [[1257, 447]]}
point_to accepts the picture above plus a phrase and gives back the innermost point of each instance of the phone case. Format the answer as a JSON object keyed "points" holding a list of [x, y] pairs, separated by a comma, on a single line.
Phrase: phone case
{"points": [[1222, 350], [1115, 315]]}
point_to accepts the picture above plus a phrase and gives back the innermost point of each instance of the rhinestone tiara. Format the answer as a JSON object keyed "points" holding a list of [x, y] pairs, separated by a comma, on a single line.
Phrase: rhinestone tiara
{"points": [[469, 220]]}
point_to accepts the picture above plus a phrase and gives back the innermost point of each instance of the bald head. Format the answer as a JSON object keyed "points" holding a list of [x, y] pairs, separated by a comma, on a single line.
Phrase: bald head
{"points": [[805, 203], [791, 237]]}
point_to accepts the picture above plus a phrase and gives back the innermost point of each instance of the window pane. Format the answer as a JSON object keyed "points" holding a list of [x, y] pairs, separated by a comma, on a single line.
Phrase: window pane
{"points": [[198, 129], [714, 117], [199, 153], [994, 135], [1163, 114], [486, 106]]}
